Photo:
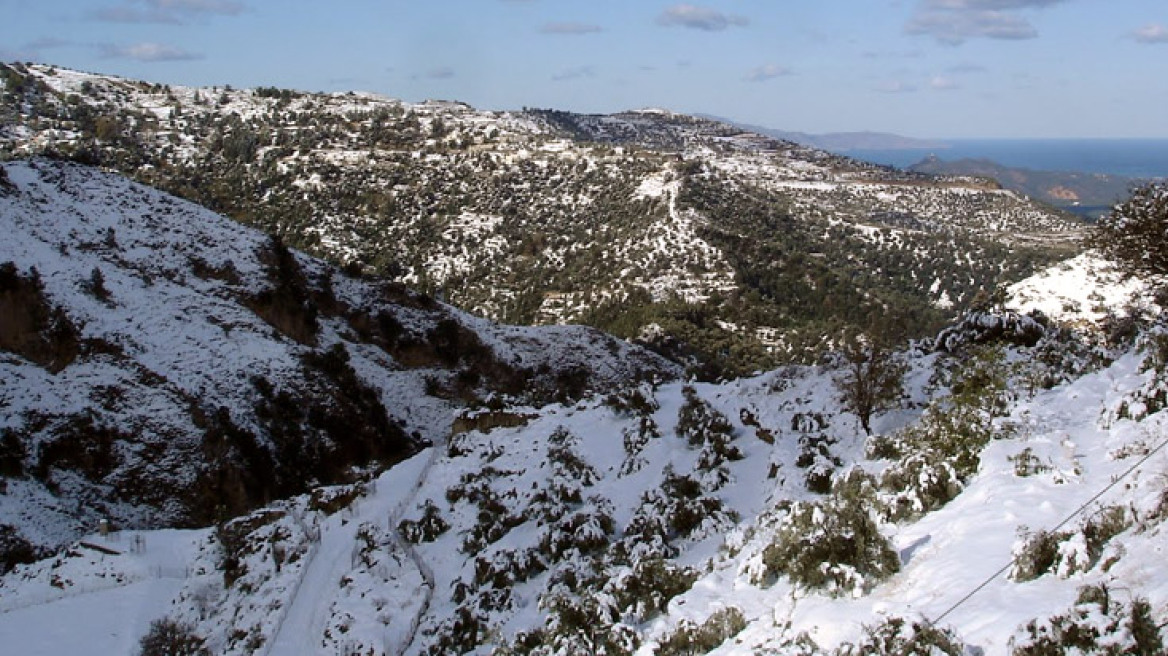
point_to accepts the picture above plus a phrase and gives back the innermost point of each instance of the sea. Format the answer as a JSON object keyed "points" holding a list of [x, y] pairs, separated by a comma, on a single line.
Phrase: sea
{"points": [[1132, 158]]}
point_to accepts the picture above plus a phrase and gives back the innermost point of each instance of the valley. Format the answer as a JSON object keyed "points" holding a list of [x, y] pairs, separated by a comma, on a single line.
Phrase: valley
{"points": [[305, 373], [634, 223]]}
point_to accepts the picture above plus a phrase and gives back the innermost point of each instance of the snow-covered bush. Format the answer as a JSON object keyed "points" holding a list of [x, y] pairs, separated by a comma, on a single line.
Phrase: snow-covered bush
{"points": [[585, 625], [425, 529], [897, 636], [982, 327], [584, 531], [1152, 395], [1132, 234], [1068, 552], [1027, 464], [690, 639], [833, 546], [681, 507], [1062, 355], [698, 422], [460, 633], [1096, 624], [635, 441], [633, 401], [566, 462], [644, 590], [168, 637], [917, 484], [819, 463], [937, 455]]}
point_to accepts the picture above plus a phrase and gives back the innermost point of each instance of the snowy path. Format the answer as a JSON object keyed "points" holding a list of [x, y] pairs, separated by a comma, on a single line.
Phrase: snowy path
{"points": [[299, 634], [415, 558]]}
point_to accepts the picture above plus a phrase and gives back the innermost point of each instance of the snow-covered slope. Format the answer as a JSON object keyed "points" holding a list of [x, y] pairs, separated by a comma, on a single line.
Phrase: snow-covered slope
{"points": [[1085, 289], [1017, 499], [162, 364]]}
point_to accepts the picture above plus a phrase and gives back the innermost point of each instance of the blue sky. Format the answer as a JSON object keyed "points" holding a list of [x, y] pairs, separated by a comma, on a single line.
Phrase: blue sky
{"points": [[926, 68]]}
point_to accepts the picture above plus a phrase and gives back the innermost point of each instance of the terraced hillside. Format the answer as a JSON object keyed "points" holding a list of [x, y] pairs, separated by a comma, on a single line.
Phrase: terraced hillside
{"points": [[720, 247]]}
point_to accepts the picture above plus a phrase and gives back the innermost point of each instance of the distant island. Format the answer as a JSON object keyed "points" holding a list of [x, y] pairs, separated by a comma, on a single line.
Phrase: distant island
{"points": [[1089, 195], [841, 142], [1086, 194]]}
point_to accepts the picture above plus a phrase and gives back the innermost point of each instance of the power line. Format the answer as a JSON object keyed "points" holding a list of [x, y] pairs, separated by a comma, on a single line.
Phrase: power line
{"points": [[1061, 524]]}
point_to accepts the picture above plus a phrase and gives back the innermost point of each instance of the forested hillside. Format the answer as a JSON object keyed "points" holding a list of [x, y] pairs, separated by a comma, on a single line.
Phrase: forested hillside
{"points": [[721, 248]]}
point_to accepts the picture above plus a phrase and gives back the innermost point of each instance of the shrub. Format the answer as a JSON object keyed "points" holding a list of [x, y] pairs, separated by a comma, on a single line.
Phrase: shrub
{"points": [[896, 636], [168, 637], [917, 484], [1068, 552], [698, 422], [833, 546], [426, 529], [635, 441], [644, 590], [1096, 624], [690, 639], [1027, 464], [943, 450], [15, 549]]}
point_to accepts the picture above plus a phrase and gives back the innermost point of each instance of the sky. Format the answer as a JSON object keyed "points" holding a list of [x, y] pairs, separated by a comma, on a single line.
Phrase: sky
{"points": [[922, 68]]}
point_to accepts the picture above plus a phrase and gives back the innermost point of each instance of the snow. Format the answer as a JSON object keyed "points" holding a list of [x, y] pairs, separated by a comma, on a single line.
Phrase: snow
{"points": [[307, 615], [350, 583], [104, 602], [1084, 289], [945, 554]]}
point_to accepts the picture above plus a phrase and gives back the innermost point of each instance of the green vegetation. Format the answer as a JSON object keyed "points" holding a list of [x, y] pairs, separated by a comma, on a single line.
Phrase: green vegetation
{"points": [[493, 218]]}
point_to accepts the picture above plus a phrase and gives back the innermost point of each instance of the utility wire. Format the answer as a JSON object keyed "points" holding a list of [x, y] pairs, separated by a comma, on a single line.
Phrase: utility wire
{"points": [[1061, 524]]}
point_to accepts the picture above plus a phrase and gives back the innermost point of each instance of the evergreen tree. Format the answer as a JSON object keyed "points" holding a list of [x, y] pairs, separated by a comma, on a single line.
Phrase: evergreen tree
{"points": [[1135, 234]]}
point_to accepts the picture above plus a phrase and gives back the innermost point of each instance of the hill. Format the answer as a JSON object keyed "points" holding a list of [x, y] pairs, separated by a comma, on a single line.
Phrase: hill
{"points": [[165, 366], [724, 249], [1012, 499]]}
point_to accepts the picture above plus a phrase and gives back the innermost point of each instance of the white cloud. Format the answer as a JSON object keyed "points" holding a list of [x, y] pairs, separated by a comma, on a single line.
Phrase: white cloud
{"points": [[955, 27], [993, 5], [148, 52], [965, 68], [768, 72], [942, 83], [165, 12], [699, 18], [570, 28], [227, 7], [952, 22], [440, 73], [1152, 33]]}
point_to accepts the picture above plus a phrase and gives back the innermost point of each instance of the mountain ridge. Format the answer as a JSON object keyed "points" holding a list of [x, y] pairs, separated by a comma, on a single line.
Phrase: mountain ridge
{"points": [[632, 222]]}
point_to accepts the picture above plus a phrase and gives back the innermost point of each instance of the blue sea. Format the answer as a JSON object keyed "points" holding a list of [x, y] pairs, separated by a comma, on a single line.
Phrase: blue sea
{"points": [[1133, 158]]}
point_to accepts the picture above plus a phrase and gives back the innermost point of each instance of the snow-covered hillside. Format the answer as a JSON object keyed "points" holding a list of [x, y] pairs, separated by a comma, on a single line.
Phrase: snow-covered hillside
{"points": [[1016, 498], [163, 365], [745, 248]]}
